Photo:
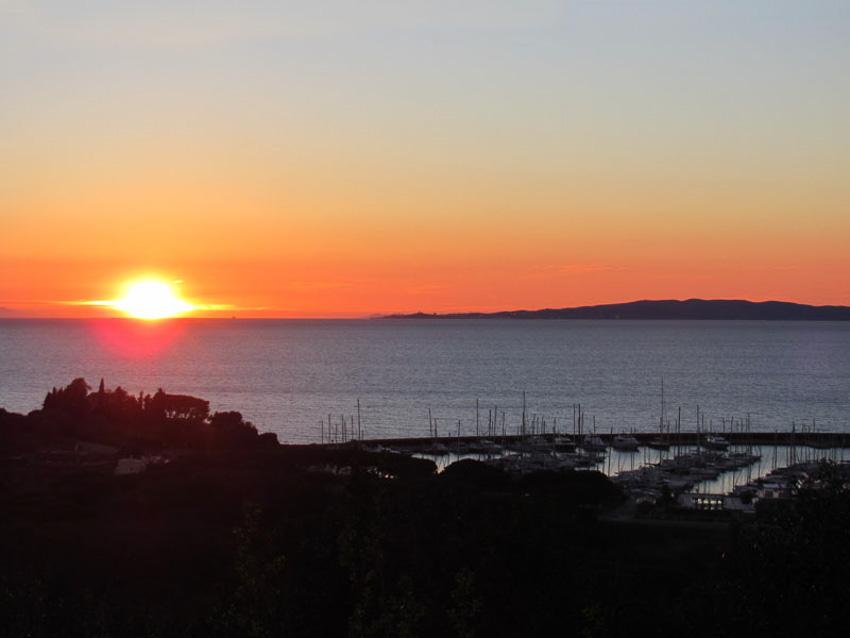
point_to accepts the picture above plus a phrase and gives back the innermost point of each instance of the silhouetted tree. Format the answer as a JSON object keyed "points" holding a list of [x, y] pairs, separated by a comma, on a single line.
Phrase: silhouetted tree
{"points": [[228, 420], [71, 399]]}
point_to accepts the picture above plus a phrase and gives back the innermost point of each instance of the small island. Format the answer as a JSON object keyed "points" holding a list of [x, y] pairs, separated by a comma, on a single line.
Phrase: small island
{"points": [[692, 309]]}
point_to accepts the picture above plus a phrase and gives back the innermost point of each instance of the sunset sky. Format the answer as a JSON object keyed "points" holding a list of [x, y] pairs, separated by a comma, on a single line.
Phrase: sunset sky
{"points": [[351, 158]]}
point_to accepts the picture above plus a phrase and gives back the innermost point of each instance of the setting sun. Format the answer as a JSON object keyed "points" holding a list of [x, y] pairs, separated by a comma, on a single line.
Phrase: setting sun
{"points": [[151, 299]]}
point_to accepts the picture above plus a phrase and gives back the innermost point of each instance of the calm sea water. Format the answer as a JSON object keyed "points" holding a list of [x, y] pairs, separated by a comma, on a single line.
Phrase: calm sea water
{"points": [[287, 375]]}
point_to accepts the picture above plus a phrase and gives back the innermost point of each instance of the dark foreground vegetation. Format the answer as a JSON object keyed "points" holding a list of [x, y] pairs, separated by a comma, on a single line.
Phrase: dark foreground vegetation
{"points": [[237, 536]]}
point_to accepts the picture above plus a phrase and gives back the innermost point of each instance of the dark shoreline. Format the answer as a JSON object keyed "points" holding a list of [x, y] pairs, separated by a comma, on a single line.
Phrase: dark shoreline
{"points": [[225, 532]]}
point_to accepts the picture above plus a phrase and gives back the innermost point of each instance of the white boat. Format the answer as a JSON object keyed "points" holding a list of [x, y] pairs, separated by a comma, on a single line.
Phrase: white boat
{"points": [[436, 449], [486, 446], [594, 444], [659, 444], [563, 443], [715, 442], [625, 442]]}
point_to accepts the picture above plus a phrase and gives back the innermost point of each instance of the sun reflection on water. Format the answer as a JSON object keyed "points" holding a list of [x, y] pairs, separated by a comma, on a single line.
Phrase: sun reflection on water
{"points": [[133, 339]]}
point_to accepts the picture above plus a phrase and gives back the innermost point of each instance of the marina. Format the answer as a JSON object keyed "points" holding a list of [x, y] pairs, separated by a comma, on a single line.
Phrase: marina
{"points": [[695, 470]]}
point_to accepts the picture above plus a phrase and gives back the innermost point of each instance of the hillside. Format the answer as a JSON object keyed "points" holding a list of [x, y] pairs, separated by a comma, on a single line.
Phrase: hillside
{"points": [[713, 309]]}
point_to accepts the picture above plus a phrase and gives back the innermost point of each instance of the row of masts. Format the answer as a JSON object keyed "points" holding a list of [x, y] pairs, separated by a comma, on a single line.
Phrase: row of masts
{"points": [[497, 423], [734, 424], [342, 430], [348, 428]]}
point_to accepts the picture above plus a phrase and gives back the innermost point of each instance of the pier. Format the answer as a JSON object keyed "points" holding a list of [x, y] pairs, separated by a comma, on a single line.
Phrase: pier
{"points": [[674, 439]]}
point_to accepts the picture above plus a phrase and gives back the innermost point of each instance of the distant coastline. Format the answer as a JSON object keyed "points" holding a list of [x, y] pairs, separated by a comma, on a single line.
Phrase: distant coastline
{"points": [[689, 309]]}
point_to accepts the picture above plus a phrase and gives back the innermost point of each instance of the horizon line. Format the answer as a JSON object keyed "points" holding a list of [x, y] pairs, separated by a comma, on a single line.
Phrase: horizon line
{"points": [[397, 314]]}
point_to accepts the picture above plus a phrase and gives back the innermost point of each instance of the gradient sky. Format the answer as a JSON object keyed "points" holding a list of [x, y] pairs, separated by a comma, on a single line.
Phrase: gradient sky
{"points": [[350, 158]]}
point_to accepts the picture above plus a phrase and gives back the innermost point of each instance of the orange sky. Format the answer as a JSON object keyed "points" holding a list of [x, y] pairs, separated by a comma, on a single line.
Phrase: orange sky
{"points": [[396, 162]]}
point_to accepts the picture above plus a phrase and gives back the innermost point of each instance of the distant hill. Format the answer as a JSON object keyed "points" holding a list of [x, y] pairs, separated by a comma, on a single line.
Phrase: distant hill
{"points": [[666, 309]]}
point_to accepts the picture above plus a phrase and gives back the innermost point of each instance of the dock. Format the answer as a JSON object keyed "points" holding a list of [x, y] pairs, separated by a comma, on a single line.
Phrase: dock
{"points": [[674, 439]]}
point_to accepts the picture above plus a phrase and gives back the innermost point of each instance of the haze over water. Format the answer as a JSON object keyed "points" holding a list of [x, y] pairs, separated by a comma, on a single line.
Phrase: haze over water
{"points": [[287, 375]]}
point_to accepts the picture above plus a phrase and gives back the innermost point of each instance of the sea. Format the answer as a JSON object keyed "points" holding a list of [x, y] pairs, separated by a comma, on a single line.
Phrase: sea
{"points": [[293, 377]]}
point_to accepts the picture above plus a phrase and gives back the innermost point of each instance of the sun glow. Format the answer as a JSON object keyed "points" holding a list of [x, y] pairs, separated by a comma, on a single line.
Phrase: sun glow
{"points": [[151, 299]]}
